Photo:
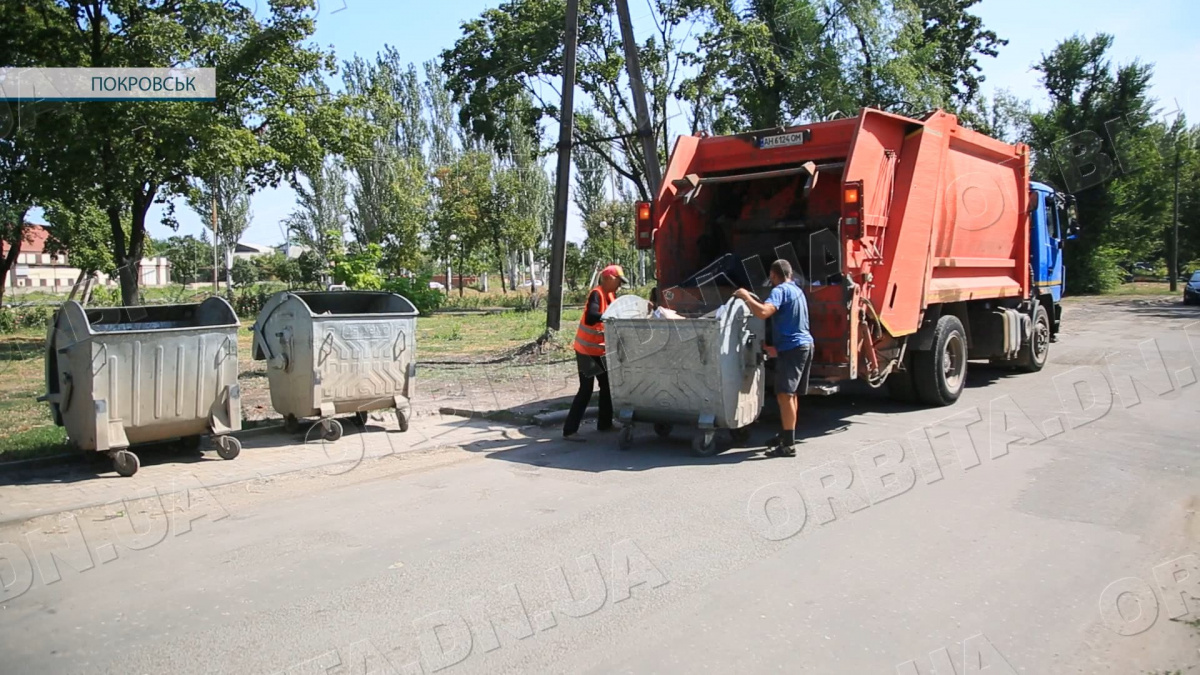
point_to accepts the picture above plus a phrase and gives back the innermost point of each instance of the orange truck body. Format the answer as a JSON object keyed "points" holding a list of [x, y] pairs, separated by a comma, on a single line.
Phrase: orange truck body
{"points": [[892, 220]]}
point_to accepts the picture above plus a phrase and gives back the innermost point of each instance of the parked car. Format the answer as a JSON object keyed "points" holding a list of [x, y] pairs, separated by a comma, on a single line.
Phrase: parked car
{"points": [[437, 286], [532, 283], [1191, 292]]}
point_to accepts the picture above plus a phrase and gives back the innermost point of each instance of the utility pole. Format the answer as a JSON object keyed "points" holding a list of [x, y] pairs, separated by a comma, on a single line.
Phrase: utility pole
{"points": [[562, 182], [645, 131], [216, 284], [1175, 221]]}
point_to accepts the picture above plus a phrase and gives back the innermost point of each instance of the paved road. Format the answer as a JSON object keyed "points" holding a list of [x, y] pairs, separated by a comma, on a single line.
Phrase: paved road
{"points": [[1017, 531]]}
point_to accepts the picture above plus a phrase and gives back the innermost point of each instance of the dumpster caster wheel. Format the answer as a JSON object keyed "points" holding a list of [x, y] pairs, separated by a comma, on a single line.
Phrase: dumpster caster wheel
{"points": [[740, 436], [662, 429], [333, 430], [704, 444], [291, 424], [626, 440], [362, 416], [228, 447], [402, 420], [125, 462]]}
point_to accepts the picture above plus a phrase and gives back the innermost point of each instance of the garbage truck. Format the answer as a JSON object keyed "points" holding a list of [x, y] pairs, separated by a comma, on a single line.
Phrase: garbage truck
{"points": [[920, 243]]}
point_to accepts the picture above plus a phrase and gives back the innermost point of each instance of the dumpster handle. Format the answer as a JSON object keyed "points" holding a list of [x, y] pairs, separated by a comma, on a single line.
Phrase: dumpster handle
{"points": [[261, 326]]}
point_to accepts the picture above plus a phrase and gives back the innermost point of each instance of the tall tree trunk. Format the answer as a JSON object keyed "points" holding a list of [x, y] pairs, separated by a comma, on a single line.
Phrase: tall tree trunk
{"points": [[9, 261], [128, 255]]}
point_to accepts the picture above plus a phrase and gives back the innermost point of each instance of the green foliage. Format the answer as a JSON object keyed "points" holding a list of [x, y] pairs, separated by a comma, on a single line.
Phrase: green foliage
{"points": [[1125, 216], [82, 232], [249, 301], [319, 220], [418, 292], [311, 269], [19, 317], [391, 193], [360, 269], [230, 193], [577, 267], [273, 113], [269, 266], [191, 259], [244, 272]]}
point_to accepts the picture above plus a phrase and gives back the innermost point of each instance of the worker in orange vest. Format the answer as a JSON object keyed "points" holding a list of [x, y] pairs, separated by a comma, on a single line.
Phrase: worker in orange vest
{"points": [[589, 354]]}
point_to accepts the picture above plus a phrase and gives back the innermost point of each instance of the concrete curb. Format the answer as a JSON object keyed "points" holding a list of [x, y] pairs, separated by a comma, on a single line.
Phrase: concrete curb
{"points": [[81, 457]]}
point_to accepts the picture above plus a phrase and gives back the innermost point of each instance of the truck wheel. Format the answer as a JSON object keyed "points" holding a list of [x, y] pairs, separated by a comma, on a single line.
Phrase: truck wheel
{"points": [[1036, 351], [940, 373], [900, 382]]}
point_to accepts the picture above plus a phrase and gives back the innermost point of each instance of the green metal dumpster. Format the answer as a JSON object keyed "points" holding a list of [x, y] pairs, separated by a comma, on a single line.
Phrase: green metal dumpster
{"points": [[120, 376], [338, 352]]}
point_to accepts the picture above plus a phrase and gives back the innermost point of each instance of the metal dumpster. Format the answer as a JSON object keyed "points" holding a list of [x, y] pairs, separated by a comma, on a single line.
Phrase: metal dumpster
{"points": [[120, 376], [701, 371], [338, 352]]}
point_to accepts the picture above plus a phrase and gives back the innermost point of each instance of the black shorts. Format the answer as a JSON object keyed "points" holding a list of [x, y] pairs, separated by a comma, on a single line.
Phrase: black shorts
{"points": [[792, 369]]}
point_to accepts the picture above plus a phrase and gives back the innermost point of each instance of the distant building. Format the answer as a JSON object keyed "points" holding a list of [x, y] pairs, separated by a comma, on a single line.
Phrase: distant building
{"points": [[36, 268], [291, 250], [247, 250]]}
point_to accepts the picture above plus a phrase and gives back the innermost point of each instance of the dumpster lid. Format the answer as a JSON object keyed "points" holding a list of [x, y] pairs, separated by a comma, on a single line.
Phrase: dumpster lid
{"points": [[213, 311], [342, 303]]}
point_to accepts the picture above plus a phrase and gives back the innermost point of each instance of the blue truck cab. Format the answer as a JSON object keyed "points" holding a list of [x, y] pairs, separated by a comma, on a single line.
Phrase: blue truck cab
{"points": [[1052, 223]]}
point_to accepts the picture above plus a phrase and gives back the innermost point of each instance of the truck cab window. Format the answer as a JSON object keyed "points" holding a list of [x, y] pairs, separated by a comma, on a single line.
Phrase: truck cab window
{"points": [[1053, 218]]}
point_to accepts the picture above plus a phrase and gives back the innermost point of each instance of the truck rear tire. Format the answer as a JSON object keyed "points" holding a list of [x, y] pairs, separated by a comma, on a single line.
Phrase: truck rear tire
{"points": [[1036, 350], [940, 373]]}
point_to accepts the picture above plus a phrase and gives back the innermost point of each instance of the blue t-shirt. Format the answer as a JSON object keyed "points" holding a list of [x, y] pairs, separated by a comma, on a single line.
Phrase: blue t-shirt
{"points": [[790, 321]]}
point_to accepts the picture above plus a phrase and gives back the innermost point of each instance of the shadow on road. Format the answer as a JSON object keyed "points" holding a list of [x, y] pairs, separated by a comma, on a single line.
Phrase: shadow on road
{"points": [[820, 416]]}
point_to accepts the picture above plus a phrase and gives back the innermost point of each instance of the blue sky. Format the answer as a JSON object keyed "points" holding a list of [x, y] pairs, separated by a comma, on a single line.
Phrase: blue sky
{"points": [[1162, 32]]}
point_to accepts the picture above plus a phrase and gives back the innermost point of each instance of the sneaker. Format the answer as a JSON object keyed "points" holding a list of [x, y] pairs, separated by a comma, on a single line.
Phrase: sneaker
{"points": [[782, 451]]}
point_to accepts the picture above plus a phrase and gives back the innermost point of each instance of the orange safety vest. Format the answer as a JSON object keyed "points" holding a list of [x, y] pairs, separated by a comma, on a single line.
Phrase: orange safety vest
{"points": [[589, 338]]}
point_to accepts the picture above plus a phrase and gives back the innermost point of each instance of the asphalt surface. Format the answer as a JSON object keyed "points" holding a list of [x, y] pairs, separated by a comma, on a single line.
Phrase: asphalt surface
{"points": [[1046, 523]]}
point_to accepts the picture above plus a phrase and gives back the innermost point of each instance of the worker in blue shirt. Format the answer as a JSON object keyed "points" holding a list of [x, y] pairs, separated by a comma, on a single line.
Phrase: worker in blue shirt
{"points": [[788, 310]]}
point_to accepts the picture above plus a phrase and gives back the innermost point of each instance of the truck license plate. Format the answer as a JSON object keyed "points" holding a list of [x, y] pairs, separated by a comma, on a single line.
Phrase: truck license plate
{"points": [[783, 140]]}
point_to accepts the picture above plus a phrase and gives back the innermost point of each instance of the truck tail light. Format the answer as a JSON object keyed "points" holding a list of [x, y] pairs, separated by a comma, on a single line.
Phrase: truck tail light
{"points": [[645, 225], [852, 212]]}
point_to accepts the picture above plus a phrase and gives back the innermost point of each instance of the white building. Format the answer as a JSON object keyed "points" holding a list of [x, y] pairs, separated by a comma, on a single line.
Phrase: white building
{"points": [[246, 250], [37, 269]]}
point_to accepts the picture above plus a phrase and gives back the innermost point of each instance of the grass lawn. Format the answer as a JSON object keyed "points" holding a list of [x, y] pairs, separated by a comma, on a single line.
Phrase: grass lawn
{"points": [[1147, 288], [26, 428]]}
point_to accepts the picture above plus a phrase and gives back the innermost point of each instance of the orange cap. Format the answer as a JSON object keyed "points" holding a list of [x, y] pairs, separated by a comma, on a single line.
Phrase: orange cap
{"points": [[614, 271]]}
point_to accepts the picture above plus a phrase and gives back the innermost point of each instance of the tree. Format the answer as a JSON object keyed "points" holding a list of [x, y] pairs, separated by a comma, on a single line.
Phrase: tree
{"points": [[577, 266], [513, 53], [464, 192], [1124, 213], [391, 192], [243, 272], [360, 269], [231, 196], [14, 234], [779, 61], [272, 113], [610, 234], [319, 220], [189, 258], [592, 173]]}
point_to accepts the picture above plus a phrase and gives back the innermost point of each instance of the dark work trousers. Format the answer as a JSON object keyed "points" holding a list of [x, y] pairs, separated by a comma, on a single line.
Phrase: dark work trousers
{"points": [[591, 368]]}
